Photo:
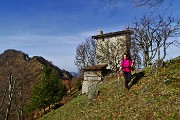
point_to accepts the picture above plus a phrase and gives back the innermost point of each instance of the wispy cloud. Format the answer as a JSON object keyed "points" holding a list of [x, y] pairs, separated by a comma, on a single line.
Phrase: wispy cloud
{"points": [[53, 30], [60, 50]]}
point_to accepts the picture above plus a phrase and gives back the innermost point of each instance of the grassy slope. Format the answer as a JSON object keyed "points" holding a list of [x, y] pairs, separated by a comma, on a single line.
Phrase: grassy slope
{"points": [[156, 96]]}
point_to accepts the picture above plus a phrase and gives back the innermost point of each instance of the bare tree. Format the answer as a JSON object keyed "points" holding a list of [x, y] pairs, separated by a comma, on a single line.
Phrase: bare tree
{"points": [[152, 35], [3, 100], [154, 6], [15, 90], [135, 54], [11, 90], [110, 52], [106, 52], [86, 54], [140, 3], [149, 3], [168, 28]]}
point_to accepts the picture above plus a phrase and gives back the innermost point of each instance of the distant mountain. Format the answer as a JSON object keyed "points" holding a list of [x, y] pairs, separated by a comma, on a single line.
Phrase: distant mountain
{"points": [[74, 74]]}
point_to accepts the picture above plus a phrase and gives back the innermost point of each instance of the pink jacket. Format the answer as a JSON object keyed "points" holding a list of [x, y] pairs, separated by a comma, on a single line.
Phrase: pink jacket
{"points": [[125, 65]]}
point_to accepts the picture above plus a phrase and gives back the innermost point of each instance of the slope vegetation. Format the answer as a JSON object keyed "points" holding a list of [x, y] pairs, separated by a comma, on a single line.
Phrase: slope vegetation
{"points": [[151, 96], [18, 74]]}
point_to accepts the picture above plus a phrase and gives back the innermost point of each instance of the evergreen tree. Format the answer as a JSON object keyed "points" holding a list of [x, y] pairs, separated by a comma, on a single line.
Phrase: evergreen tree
{"points": [[47, 91]]}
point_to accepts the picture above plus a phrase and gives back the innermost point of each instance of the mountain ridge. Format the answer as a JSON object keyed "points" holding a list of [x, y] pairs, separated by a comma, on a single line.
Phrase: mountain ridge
{"points": [[12, 55]]}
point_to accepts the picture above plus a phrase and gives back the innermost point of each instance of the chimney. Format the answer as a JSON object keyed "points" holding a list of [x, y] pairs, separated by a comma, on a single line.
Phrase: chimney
{"points": [[100, 32]]}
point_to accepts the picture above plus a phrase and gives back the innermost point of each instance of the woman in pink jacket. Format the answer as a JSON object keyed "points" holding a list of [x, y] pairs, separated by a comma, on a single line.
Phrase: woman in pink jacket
{"points": [[125, 65]]}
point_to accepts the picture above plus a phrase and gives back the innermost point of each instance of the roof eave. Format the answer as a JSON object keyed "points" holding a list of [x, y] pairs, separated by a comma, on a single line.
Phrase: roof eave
{"points": [[124, 32]]}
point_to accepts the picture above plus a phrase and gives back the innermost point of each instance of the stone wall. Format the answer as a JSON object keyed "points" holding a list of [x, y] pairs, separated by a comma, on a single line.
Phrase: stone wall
{"points": [[91, 78], [117, 43]]}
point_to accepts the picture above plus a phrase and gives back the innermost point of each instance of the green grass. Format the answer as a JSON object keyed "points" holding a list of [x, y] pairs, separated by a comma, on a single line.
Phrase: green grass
{"points": [[155, 96]]}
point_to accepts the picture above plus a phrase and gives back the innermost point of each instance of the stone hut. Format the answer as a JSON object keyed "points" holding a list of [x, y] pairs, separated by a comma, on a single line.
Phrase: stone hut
{"points": [[92, 76]]}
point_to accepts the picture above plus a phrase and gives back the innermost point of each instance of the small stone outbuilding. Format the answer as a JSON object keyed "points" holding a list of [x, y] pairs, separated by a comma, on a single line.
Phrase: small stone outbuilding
{"points": [[92, 75]]}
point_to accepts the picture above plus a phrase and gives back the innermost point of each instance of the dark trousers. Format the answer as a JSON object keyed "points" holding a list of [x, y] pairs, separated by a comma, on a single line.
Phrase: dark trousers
{"points": [[127, 77]]}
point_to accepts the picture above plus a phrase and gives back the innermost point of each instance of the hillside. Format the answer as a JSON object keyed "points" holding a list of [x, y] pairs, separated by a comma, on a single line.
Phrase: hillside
{"points": [[19, 59], [152, 96], [18, 74]]}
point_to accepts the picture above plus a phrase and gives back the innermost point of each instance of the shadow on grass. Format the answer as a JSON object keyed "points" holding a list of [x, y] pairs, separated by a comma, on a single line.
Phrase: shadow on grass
{"points": [[58, 105], [136, 77]]}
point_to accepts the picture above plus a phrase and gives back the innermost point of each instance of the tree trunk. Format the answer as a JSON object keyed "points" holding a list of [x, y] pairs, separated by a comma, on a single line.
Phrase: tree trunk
{"points": [[11, 94]]}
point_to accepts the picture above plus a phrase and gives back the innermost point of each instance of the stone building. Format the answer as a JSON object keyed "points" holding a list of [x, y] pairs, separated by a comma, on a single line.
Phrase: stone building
{"points": [[113, 45], [92, 76]]}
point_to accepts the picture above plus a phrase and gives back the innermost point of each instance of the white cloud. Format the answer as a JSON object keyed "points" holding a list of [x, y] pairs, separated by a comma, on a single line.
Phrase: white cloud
{"points": [[60, 50]]}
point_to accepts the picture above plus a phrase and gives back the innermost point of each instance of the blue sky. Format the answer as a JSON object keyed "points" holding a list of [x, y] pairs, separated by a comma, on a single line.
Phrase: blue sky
{"points": [[54, 28]]}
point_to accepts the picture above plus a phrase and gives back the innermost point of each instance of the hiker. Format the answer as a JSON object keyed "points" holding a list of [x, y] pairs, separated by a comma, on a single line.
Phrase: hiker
{"points": [[125, 65]]}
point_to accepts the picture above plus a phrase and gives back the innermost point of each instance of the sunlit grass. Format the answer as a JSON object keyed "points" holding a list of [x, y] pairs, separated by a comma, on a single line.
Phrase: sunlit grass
{"points": [[155, 96]]}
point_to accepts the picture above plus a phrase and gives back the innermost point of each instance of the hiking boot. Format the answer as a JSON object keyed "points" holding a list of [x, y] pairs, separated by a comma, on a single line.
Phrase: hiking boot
{"points": [[128, 88]]}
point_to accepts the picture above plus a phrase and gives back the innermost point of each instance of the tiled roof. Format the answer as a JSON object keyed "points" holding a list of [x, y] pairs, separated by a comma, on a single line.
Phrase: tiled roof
{"points": [[112, 34], [96, 67]]}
